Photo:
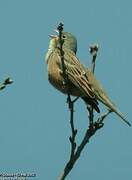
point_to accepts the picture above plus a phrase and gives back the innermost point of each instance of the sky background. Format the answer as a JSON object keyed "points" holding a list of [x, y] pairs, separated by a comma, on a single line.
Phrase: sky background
{"points": [[34, 123]]}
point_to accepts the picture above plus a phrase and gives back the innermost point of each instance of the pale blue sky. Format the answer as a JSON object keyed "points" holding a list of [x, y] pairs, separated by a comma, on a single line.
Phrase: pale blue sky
{"points": [[34, 127]]}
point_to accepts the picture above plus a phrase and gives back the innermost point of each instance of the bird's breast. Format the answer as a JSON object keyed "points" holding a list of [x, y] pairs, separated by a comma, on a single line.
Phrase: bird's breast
{"points": [[55, 77]]}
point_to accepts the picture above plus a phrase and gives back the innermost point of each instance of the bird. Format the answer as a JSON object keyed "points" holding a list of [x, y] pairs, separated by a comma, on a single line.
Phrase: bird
{"points": [[81, 80]]}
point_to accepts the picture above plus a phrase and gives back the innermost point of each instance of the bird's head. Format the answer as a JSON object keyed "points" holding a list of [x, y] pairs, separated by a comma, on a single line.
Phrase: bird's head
{"points": [[70, 41]]}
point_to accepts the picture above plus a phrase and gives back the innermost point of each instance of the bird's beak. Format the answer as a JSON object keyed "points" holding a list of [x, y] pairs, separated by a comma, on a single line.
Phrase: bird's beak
{"points": [[56, 31], [53, 36]]}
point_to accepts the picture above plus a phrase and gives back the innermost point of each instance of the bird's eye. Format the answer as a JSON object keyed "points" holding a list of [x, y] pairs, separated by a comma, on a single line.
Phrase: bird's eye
{"points": [[64, 36]]}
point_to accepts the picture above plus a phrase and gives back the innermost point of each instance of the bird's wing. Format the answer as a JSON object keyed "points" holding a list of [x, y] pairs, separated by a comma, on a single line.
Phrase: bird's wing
{"points": [[99, 91], [95, 84], [77, 73]]}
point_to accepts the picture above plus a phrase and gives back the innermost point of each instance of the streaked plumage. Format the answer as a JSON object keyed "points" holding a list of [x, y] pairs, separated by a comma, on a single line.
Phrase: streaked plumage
{"points": [[82, 82]]}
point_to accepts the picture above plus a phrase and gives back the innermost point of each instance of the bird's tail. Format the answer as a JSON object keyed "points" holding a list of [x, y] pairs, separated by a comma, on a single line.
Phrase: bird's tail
{"points": [[105, 100], [122, 117]]}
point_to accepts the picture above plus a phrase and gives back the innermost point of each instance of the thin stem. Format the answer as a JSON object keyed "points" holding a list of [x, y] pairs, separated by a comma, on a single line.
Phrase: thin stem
{"points": [[93, 52], [70, 102], [61, 41]]}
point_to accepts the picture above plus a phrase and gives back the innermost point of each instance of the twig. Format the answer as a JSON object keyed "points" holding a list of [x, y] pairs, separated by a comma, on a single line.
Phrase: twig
{"points": [[6, 82], [61, 42], [93, 51], [74, 131], [65, 76], [102, 117], [69, 101]]}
